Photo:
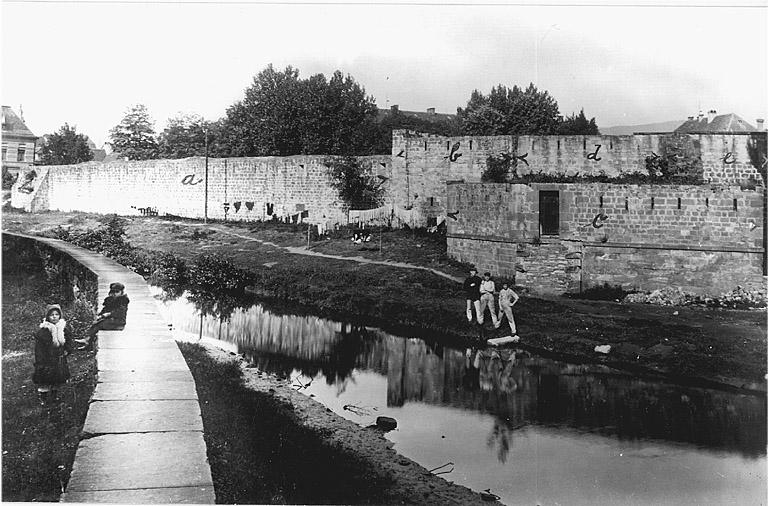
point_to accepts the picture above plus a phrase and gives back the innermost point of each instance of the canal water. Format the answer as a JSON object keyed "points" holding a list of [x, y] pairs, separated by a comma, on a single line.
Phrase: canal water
{"points": [[530, 429]]}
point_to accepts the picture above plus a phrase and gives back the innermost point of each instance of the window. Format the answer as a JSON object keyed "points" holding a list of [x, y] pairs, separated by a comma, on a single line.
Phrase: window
{"points": [[5, 153], [549, 212], [20, 154]]}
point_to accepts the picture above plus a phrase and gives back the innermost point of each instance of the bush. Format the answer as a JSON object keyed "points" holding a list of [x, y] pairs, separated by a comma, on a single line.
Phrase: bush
{"points": [[497, 168], [213, 274], [170, 274], [8, 179]]}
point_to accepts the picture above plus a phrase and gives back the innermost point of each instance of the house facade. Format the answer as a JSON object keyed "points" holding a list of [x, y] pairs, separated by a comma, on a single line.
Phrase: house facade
{"points": [[19, 143]]}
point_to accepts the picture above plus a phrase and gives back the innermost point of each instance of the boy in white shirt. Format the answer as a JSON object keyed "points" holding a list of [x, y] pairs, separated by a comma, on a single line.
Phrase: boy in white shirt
{"points": [[507, 299], [487, 288]]}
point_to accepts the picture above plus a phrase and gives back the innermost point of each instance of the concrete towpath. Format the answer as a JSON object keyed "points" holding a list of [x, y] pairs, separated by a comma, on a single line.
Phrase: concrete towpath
{"points": [[142, 441]]}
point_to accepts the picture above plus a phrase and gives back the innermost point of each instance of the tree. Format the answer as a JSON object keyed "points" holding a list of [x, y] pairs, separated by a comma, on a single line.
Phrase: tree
{"points": [[340, 117], [510, 112], [284, 115], [578, 125], [184, 136], [357, 188], [65, 147], [134, 137]]}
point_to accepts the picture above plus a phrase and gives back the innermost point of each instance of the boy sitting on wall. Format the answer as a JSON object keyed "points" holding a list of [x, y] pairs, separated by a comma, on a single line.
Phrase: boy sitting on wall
{"points": [[111, 317]]}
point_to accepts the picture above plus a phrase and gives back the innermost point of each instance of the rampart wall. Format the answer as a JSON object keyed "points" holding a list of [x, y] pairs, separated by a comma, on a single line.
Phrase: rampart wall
{"points": [[703, 239], [255, 188], [423, 163]]}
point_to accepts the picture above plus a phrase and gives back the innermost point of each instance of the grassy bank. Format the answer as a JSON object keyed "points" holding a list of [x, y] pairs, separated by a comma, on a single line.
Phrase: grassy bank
{"points": [[39, 442], [721, 345], [260, 454]]}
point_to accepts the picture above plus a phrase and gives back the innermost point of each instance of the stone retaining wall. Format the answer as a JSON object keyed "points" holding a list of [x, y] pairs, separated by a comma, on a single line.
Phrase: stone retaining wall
{"points": [[73, 280], [704, 239]]}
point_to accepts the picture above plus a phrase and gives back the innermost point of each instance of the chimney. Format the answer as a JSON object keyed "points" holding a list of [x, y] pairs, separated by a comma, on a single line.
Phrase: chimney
{"points": [[711, 115], [759, 122], [431, 110], [394, 108]]}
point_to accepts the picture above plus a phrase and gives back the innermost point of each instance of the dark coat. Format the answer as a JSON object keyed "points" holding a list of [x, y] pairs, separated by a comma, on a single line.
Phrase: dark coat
{"points": [[117, 306], [51, 361], [472, 287]]}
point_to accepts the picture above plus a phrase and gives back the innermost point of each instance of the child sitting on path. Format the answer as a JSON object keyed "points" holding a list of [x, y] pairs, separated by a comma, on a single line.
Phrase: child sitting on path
{"points": [[507, 299], [53, 342], [112, 315]]}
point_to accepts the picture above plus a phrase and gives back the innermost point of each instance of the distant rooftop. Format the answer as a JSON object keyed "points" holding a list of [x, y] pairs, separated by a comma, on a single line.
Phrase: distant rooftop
{"points": [[713, 123], [13, 124], [428, 115]]}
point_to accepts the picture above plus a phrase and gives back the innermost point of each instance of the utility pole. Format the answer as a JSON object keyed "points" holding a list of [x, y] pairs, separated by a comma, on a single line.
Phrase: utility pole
{"points": [[205, 220]]}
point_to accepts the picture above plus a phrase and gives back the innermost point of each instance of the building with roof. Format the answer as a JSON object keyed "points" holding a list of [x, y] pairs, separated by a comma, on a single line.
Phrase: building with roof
{"points": [[99, 154], [713, 123], [19, 142]]}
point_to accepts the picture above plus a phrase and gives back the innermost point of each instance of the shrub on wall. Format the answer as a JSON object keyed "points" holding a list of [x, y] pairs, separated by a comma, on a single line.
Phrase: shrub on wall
{"points": [[357, 188], [670, 169], [679, 162], [757, 148], [497, 168]]}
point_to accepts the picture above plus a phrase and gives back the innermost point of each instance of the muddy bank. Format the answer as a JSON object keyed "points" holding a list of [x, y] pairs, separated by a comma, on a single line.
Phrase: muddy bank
{"points": [[268, 443]]}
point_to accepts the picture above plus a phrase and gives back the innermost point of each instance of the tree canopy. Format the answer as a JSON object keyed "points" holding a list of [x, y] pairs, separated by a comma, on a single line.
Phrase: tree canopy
{"points": [[397, 120], [517, 111], [65, 147], [184, 136], [134, 136], [282, 114], [578, 125]]}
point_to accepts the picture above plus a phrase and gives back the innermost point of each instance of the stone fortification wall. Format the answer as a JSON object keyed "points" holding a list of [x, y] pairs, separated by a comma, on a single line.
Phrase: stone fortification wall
{"points": [[422, 163], [704, 239], [255, 188]]}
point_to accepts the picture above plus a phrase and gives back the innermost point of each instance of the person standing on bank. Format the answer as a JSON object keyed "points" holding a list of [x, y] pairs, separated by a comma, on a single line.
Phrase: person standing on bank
{"points": [[507, 299], [487, 289], [53, 342], [472, 289], [112, 315]]}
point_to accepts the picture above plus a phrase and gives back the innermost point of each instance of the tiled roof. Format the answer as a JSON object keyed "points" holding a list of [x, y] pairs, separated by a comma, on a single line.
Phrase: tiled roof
{"points": [[12, 124], [729, 123], [692, 125], [723, 123]]}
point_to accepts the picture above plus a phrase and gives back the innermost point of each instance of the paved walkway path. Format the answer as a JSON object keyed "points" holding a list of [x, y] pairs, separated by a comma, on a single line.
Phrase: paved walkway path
{"points": [[142, 441]]}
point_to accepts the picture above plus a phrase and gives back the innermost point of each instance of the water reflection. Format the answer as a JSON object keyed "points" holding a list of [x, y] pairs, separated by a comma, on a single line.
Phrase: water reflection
{"points": [[506, 396]]}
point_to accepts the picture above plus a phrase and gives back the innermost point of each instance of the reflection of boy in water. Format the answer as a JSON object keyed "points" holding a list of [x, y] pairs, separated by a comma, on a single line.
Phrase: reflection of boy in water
{"points": [[495, 370]]}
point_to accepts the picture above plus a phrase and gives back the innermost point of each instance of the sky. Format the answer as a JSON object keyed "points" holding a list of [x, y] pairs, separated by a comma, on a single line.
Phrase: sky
{"points": [[86, 62]]}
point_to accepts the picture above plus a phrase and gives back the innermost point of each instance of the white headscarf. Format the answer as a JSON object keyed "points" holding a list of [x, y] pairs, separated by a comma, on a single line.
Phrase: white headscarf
{"points": [[57, 331]]}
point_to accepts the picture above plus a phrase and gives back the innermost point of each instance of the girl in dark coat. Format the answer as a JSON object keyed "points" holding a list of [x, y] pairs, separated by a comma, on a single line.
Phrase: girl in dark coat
{"points": [[53, 342]]}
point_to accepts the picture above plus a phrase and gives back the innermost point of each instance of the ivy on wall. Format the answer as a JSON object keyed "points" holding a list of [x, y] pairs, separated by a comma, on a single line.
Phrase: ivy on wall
{"points": [[679, 162]]}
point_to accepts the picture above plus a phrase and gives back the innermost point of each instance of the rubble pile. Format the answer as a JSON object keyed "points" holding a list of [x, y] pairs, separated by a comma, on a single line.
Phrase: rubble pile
{"points": [[739, 298]]}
